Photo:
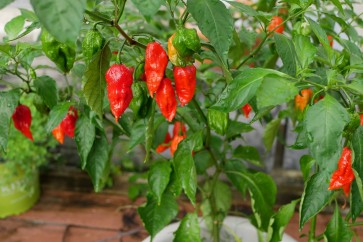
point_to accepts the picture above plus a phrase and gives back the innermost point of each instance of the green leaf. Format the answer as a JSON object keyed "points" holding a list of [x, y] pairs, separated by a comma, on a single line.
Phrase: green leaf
{"points": [[63, 19], [47, 89], [148, 8], [4, 3], [280, 220], [215, 22], [14, 26], [244, 8], [263, 194], [30, 28], [236, 128], [337, 229], [237, 181], [305, 50], [98, 163], [356, 86], [149, 137], [94, 89], [325, 122], [56, 115], [321, 35], [286, 50], [271, 130], [189, 229], [242, 88], [339, 6], [356, 200], [156, 217], [306, 164], [316, 195], [8, 102], [275, 91], [137, 133], [159, 176], [85, 133], [248, 153], [184, 164]]}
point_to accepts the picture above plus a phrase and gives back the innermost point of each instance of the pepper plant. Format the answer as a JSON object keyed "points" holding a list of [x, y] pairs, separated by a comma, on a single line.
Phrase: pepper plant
{"points": [[196, 67]]}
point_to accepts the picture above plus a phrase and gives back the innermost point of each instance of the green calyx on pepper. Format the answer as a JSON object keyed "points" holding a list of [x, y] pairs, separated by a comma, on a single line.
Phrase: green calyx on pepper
{"points": [[92, 43], [61, 54]]}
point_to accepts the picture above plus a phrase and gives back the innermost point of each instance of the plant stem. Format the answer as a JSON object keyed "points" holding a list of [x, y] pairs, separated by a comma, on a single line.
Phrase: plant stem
{"points": [[128, 38], [312, 229]]}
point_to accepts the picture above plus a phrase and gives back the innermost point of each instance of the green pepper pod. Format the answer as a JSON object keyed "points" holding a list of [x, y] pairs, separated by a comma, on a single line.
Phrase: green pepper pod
{"points": [[218, 121], [92, 42], [61, 54], [186, 42]]}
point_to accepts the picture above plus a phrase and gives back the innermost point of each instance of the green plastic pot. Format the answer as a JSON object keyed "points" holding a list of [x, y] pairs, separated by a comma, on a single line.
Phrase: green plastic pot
{"points": [[18, 192]]}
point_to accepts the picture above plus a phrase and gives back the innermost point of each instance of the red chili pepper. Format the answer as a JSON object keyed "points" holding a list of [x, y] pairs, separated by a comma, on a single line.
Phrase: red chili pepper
{"points": [[156, 61], [246, 110], [343, 176], [175, 142], [331, 40], [165, 145], [119, 81], [302, 100], [185, 82], [276, 21], [179, 129], [166, 100], [58, 134], [22, 118], [68, 124], [361, 119]]}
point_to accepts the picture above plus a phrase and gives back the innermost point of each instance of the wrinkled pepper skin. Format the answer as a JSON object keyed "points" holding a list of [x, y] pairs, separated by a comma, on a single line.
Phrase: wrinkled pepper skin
{"points": [[165, 145], [156, 61], [92, 43], [119, 80], [186, 42], [68, 124], [276, 21], [175, 142], [185, 83], [166, 100], [302, 101], [179, 129], [174, 57], [58, 134], [61, 54], [22, 119], [343, 176], [246, 110], [218, 121]]}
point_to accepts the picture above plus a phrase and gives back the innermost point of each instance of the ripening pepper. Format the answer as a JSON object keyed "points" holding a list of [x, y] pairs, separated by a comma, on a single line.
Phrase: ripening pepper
{"points": [[175, 142], [186, 42], [68, 124], [61, 54], [276, 21], [119, 80], [218, 121], [331, 40], [174, 57], [22, 119], [246, 110], [185, 82], [165, 145], [166, 100], [58, 134], [343, 176], [156, 61], [179, 129], [361, 119], [302, 100], [92, 43]]}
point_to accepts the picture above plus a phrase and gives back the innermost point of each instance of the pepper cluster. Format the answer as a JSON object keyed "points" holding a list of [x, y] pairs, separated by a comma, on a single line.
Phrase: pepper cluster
{"points": [[343, 176], [66, 126], [179, 133]]}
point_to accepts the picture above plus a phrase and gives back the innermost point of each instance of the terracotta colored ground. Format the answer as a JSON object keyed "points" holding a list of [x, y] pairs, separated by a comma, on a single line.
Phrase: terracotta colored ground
{"points": [[69, 212]]}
